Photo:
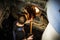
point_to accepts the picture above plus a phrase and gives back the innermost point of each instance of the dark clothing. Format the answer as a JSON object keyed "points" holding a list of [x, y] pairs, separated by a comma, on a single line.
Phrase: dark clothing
{"points": [[7, 31], [18, 32], [19, 35], [36, 32]]}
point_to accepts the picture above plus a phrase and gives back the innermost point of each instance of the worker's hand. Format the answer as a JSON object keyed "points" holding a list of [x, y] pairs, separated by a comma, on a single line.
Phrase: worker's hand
{"points": [[30, 37]]}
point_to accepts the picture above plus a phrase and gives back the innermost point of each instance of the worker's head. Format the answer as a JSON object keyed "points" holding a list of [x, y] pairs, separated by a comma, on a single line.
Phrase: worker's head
{"points": [[21, 19]]}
